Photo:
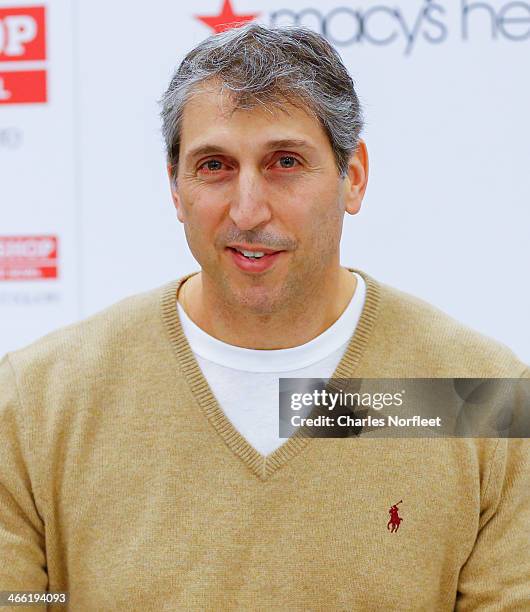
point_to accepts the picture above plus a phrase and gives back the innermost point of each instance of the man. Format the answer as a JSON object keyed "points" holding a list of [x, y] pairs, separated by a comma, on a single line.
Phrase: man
{"points": [[141, 466]]}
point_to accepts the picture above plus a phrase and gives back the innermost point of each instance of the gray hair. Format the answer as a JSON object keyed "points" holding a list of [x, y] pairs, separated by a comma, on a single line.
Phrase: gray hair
{"points": [[269, 66]]}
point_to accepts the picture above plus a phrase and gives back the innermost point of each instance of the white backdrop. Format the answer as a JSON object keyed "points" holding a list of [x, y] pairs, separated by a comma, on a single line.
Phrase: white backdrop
{"points": [[446, 95]]}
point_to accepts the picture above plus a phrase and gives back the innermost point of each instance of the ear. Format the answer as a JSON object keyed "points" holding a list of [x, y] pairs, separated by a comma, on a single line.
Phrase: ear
{"points": [[171, 173], [356, 179]]}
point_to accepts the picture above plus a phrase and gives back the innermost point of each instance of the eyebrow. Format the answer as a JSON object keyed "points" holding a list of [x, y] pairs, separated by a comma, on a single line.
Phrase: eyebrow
{"points": [[284, 143]]}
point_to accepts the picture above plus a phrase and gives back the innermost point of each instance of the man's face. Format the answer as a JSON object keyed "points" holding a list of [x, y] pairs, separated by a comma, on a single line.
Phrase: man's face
{"points": [[261, 179]]}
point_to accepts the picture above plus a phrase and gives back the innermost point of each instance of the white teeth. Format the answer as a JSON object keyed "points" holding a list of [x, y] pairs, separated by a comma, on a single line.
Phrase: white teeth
{"points": [[256, 254]]}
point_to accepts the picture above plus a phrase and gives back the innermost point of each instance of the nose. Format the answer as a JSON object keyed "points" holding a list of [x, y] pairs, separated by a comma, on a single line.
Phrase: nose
{"points": [[249, 207]]}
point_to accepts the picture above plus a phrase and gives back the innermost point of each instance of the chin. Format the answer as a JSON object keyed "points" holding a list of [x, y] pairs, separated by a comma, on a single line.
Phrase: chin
{"points": [[258, 300]]}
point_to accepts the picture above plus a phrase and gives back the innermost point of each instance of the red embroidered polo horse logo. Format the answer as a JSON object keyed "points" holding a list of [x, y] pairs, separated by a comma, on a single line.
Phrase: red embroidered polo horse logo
{"points": [[395, 520]]}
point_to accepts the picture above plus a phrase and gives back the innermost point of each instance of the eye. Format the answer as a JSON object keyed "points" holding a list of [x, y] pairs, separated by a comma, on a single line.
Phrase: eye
{"points": [[211, 165], [287, 162]]}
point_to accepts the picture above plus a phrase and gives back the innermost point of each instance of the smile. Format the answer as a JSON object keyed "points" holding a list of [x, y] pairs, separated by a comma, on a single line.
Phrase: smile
{"points": [[255, 264]]}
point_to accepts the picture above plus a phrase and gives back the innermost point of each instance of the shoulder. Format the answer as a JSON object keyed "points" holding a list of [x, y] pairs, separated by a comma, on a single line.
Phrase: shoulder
{"points": [[429, 342], [100, 340]]}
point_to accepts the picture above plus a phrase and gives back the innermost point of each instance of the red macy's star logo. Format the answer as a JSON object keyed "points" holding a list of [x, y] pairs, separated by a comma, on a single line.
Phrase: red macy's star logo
{"points": [[227, 19]]}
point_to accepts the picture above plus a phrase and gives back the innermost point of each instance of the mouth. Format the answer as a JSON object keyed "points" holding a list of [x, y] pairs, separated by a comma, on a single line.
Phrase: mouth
{"points": [[254, 261]]}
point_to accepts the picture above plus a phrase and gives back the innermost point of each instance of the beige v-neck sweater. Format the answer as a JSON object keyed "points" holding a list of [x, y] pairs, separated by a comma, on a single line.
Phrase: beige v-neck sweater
{"points": [[123, 483]]}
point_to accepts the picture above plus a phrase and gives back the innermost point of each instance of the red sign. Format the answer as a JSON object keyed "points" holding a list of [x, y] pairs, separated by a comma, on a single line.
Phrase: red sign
{"points": [[22, 87], [23, 39], [226, 19], [22, 34], [28, 257]]}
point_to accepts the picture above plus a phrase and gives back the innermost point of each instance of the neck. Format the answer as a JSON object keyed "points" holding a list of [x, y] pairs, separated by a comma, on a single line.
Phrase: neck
{"points": [[306, 320]]}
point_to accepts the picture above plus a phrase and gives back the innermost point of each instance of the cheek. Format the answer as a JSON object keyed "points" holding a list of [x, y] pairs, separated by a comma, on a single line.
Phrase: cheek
{"points": [[202, 223], [199, 208], [324, 217], [200, 242]]}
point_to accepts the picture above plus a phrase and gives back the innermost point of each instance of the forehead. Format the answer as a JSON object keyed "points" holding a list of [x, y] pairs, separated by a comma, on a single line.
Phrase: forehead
{"points": [[212, 117]]}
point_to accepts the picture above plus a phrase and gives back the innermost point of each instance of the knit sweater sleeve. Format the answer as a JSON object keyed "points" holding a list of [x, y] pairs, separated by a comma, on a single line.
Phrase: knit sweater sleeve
{"points": [[22, 548], [496, 576]]}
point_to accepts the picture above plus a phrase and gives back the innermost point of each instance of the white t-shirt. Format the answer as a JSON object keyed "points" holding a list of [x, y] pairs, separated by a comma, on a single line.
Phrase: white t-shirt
{"points": [[245, 381]]}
